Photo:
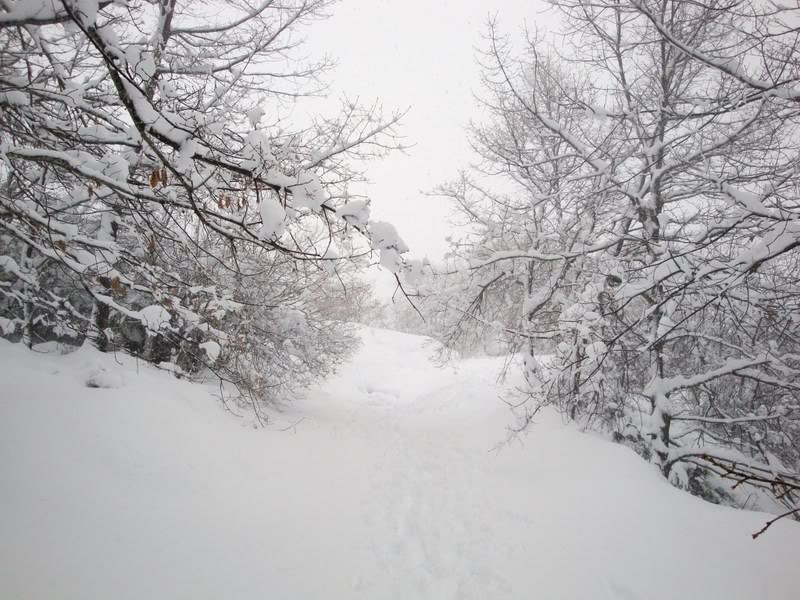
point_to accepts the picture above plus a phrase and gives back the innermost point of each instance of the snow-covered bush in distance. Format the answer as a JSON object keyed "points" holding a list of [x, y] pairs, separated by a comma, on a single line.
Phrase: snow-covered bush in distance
{"points": [[653, 251], [144, 161]]}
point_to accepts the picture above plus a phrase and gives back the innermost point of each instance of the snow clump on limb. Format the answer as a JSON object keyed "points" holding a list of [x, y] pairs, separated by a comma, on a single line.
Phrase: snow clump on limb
{"points": [[384, 237], [154, 317], [330, 258], [254, 115], [212, 350], [273, 219], [355, 213], [308, 193]]}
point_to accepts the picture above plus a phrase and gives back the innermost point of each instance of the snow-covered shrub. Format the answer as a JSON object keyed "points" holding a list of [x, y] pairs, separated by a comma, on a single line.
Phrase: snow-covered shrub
{"points": [[149, 188]]}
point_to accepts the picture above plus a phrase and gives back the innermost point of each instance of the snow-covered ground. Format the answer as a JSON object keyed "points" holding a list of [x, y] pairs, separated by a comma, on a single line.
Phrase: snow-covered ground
{"points": [[389, 487]]}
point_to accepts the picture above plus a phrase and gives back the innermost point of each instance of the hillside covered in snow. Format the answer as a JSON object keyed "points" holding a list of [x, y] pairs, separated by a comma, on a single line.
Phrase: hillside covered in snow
{"points": [[390, 480]]}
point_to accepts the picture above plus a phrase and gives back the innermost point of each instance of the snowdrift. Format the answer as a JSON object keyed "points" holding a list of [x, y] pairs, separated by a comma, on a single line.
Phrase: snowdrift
{"points": [[119, 481]]}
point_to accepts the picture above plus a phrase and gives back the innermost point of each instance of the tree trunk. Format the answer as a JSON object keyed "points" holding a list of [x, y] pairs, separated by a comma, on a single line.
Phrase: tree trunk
{"points": [[100, 320], [27, 305]]}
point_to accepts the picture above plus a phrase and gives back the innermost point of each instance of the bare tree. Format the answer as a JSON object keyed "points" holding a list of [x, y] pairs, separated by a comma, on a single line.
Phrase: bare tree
{"points": [[146, 167], [666, 267]]}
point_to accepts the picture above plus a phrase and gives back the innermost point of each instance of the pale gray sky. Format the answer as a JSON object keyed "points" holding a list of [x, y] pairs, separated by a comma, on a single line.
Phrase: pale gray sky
{"points": [[417, 54]]}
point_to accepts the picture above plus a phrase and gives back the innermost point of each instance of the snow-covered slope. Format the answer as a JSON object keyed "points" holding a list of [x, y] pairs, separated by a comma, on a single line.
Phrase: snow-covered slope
{"points": [[389, 487]]}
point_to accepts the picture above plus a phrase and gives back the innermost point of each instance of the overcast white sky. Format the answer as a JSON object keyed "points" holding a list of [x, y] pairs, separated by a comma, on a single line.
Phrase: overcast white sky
{"points": [[416, 54]]}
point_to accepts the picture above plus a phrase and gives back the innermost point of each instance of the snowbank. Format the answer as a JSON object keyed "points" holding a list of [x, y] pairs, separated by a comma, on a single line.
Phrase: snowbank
{"points": [[140, 486]]}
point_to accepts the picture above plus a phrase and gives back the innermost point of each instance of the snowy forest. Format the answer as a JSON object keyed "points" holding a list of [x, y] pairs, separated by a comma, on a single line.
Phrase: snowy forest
{"points": [[185, 213]]}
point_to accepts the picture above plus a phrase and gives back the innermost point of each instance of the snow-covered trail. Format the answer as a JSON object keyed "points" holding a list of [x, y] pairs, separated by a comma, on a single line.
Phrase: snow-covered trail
{"points": [[391, 486]]}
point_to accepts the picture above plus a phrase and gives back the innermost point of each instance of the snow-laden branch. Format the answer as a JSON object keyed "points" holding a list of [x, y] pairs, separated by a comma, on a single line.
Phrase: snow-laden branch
{"points": [[730, 67]]}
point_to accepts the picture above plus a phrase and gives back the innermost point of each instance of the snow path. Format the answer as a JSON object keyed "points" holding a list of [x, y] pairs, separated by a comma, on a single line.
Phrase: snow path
{"points": [[388, 489]]}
